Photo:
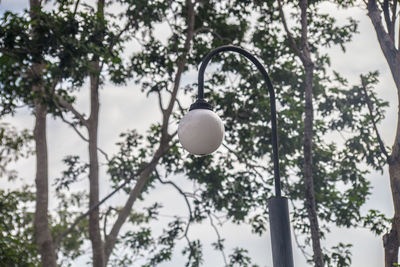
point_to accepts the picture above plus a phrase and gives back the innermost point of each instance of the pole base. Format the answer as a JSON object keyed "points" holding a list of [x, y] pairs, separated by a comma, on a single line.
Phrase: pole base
{"points": [[282, 254]]}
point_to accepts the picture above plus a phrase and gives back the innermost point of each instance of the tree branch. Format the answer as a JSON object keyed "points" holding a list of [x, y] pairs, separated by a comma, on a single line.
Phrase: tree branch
{"points": [[398, 38], [292, 42], [394, 16], [94, 207], [105, 220], [371, 113], [160, 102], [87, 213], [133, 195], [184, 196], [304, 25], [76, 7], [183, 59], [206, 29], [82, 136], [387, 44], [386, 13], [245, 161], [307, 256], [111, 238], [307, 62], [68, 106], [219, 239]]}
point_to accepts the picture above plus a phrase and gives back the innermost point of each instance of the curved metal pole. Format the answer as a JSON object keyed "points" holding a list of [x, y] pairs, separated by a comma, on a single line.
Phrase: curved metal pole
{"points": [[206, 60]]}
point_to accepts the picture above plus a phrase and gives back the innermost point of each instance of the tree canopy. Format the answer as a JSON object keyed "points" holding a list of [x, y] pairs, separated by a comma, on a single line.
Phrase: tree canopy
{"points": [[54, 51]]}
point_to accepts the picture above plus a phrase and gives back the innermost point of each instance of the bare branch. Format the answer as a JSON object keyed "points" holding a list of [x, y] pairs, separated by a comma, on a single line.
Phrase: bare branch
{"points": [[292, 42], [219, 238], [393, 22], [252, 165], [75, 128], [82, 136], [206, 29], [180, 106], [385, 41], [183, 195], [306, 255], [160, 102], [371, 113], [76, 7], [385, 8], [54, 84], [183, 58], [87, 213], [105, 220]]}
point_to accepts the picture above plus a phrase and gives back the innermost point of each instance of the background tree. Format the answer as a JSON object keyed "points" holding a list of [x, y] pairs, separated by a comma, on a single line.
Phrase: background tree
{"points": [[336, 105], [26, 59], [387, 40], [303, 52], [36, 53]]}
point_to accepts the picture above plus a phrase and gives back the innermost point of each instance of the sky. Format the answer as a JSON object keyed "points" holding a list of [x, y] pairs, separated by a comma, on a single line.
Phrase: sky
{"points": [[125, 108]]}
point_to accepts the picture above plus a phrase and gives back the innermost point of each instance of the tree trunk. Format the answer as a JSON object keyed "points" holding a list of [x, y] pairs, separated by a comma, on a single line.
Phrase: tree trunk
{"points": [[308, 166], [92, 126], [303, 52], [308, 139], [43, 236], [391, 240], [94, 218]]}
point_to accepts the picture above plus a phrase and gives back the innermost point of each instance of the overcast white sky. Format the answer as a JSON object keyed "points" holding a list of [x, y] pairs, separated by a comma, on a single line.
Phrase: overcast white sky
{"points": [[125, 108]]}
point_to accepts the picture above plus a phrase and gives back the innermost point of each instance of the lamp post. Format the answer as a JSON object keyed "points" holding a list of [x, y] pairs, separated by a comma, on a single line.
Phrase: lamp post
{"points": [[201, 132]]}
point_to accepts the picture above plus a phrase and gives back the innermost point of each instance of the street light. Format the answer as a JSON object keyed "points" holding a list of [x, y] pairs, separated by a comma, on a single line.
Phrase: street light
{"points": [[201, 132]]}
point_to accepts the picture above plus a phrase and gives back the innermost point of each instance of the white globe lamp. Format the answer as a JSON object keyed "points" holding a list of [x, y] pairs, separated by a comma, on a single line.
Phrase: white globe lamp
{"points": [[201, 131]]}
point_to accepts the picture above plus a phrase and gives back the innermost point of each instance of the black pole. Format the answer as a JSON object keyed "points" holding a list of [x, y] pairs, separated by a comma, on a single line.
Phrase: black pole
{"points": [[278, 206]]}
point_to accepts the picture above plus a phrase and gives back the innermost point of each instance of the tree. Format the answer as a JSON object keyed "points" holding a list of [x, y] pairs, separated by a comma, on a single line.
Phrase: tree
{"points": [[387, 41], [36, 56], [304, 54]]}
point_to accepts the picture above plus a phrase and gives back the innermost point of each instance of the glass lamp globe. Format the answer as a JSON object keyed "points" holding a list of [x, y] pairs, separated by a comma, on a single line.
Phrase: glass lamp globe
{"points": [[201, 131]]}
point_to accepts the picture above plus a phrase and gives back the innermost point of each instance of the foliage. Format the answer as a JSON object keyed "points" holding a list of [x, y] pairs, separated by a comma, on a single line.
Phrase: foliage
{"points": [[16, 228], [69, 207], [13, 146], [340, 256]]}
